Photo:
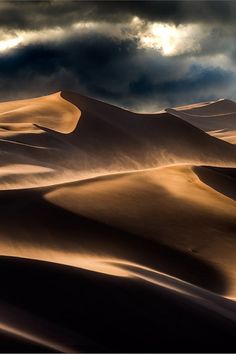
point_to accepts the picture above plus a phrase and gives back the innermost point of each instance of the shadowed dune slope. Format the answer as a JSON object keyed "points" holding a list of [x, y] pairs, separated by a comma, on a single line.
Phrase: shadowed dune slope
{"points": [[141, 140], [222, 180], [111, 314]]}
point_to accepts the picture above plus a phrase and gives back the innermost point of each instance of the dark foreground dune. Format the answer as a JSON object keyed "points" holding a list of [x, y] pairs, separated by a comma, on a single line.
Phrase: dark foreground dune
{"points": [[118, 230], [104, 313]]}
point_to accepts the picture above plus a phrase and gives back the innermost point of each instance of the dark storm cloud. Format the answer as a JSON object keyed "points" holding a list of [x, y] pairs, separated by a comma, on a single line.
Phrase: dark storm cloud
{"points": [[41, 14], [165, 11], [91, 63], [113, 70], [198, 84]]}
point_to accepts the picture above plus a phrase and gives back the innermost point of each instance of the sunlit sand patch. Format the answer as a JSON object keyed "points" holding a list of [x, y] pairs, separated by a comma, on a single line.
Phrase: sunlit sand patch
{"points": [[34, 338], [16, 128], [178, 179], [184, 183], [52, 112], [54, 178], [17, 169], [228, 135], [93, 262], [23, 144]]}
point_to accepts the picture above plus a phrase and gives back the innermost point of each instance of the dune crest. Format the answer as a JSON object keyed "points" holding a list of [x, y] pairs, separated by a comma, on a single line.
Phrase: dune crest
{"points": [[49, 111]]}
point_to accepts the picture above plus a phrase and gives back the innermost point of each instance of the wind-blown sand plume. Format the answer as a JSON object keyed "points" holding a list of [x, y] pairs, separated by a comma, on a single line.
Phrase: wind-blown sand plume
{"points": [[117, 229], [217, 118]]}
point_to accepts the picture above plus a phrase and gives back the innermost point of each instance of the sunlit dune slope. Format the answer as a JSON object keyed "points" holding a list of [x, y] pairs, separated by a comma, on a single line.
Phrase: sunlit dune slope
{"points": [[49, 111], [217, 118]]}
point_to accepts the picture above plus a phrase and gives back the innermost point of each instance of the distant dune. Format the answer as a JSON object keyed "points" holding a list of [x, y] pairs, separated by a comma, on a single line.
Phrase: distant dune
{"points": [[118, 230], [217, 118]]}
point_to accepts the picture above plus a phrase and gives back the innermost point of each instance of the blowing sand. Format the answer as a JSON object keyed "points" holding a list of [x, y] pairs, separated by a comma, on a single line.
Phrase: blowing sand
{"points": [[117, 229]]}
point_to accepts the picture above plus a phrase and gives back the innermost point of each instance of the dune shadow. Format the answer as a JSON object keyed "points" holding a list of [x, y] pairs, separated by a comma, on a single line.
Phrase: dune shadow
{"points": [[222, 179], [11, 344]]}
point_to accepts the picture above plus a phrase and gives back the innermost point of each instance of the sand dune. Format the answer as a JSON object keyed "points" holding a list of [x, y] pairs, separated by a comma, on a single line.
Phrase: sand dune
{"points": [[217, 118], [112, 313], [50, 111], [117, 229]]}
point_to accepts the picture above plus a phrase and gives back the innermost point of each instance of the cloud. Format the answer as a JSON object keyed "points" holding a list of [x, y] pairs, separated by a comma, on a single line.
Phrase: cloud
{"points": [[139, 55], [171, 27], [112, 69], [199, 84], [41, 14]]}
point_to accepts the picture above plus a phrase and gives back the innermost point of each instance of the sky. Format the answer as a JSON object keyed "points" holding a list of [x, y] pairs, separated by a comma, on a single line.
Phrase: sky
{"points": [[140, 55]]}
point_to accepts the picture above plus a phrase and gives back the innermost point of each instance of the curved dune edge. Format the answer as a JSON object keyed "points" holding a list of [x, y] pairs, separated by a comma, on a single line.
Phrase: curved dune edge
{"points": [[122, 268], [91, 262], [27, 335], [50, 111], [33, 329]]}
